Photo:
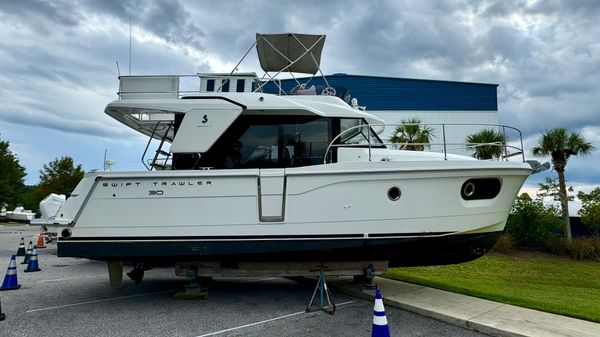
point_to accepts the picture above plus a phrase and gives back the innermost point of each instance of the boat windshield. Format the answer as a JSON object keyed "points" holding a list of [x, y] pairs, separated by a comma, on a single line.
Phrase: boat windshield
{"points": [[357, 135]]}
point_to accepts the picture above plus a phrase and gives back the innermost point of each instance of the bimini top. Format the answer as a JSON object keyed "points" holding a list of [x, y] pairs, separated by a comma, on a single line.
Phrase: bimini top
{"points": [[290, 52]]}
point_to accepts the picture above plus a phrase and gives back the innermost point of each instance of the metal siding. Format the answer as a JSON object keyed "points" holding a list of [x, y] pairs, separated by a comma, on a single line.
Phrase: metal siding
{"points": [[387, 93]]}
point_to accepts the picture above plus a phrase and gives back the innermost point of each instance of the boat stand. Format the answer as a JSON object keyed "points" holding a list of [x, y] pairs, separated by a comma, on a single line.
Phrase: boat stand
{"points": [[369, 276], [323, 294], [193, 290]]}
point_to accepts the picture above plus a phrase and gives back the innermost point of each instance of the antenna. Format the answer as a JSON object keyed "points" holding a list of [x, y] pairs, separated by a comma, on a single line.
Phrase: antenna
{"points": [[118, 69], [130, 45]]}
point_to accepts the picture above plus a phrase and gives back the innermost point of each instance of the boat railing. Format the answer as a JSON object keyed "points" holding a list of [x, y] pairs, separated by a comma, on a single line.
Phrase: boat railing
{"points": [[179, 86], [510, 143], [161, 157]]}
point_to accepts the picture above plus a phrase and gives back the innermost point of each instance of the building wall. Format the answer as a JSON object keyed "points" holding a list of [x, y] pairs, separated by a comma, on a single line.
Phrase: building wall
{"points": [[431, 101]]}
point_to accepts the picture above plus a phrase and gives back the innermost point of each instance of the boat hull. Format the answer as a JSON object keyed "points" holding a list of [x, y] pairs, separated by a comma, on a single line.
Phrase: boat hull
{"points": [[398, 250], [325, 212]]}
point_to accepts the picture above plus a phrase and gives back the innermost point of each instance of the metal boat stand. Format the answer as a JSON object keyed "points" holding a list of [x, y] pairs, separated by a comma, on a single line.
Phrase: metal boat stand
{"points": [[323, 294], [193, 289], [369, 275]]}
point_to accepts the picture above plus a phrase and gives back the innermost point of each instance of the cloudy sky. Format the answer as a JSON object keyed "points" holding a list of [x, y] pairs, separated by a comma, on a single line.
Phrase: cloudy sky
{"points": [[58, 61]]}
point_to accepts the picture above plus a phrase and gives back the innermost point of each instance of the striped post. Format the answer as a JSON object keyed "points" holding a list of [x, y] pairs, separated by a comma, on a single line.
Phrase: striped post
{"points": [[380, 324], [10, 280]]}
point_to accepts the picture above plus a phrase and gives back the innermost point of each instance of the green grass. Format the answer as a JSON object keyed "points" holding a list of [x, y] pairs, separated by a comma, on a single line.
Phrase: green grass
{"points": [[537, 281]]}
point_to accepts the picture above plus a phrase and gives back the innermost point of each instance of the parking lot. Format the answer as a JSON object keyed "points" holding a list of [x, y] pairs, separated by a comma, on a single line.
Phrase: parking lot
{"points": [[71, 297]]}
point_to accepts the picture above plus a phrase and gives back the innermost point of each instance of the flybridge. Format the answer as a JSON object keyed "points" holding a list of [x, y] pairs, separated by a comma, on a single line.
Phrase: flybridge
{"points": [[178, 86], [277, 53]]}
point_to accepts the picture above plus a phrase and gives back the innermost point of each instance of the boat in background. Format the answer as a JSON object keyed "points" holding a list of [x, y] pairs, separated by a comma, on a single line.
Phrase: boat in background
{"points": [[3, 211], [20, 214], [49, 208], [240, 177], [50, 205]]}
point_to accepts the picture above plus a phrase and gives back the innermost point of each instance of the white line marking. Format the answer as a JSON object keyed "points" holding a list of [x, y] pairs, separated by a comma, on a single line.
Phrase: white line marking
{"points": [[98, 301], [69, 278], [94, 276], [253, 281], [265, 321]]}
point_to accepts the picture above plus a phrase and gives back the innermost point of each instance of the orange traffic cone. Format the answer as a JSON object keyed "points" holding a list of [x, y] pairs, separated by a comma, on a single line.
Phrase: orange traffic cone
{"points": [[41, 242]]}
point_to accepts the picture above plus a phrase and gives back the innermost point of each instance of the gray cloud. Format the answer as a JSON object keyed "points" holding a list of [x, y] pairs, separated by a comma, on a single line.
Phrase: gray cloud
{"points": [[39, 13], [58, 57]]}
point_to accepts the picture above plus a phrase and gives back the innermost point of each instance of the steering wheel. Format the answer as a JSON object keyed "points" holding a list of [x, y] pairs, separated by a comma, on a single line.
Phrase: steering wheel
{"points": [[329, 91]]}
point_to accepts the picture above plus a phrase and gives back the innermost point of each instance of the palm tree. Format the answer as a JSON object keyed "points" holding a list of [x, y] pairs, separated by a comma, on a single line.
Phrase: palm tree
{"points": [[561, 144], [411, 135], [486, 136]]}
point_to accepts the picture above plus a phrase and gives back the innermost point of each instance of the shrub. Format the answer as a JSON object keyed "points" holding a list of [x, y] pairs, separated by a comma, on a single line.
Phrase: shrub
{"points": [[585, 248], [531, 224], [556, 245], [504, 245], [590, 216]]}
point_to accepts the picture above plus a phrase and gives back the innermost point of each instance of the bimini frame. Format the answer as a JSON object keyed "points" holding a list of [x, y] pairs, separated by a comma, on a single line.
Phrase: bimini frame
{"points": [[288, 52]]}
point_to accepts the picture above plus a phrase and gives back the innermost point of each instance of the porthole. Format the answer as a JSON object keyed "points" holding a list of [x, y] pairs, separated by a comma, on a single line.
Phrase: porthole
{"points": [[468, 189], [394, 193], [480, 188]]}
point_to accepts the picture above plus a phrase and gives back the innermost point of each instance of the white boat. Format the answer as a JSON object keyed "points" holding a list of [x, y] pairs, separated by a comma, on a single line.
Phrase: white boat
{"points": [[3, 211], [20, 214], [258, 177], [49, 207]]}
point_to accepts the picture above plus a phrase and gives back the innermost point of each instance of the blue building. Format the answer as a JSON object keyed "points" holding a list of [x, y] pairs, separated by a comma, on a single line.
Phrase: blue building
{"points": [[432, 101]]}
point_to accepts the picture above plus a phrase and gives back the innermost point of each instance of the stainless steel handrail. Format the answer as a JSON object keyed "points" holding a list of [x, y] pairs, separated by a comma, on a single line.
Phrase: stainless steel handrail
{"points": [[504, 145], [152, 137]]}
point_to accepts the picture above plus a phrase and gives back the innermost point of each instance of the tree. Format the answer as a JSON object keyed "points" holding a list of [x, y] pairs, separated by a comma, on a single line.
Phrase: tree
{"points": [[590, 210], [530, 223], [477, 140], [593, 196], [550, 188], [411, 135], [59, 176], [11, 177], [560, 145]]}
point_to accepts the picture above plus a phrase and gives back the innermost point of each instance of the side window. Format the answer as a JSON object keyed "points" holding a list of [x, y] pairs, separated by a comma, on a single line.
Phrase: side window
{"points": [[270, 142], [225, 85], [240, 85], [357, 135], [257, 147], [210, 85], [306, 143]]}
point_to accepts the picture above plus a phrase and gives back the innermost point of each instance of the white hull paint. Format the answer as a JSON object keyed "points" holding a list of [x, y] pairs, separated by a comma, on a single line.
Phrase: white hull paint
{"points": [[344, 198]]}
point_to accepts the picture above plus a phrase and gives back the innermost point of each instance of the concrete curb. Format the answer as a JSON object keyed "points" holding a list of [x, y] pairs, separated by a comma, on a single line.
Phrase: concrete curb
{"points": [[473, 313]]}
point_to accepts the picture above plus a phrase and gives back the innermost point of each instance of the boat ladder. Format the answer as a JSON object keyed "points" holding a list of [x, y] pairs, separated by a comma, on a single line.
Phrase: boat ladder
{"points": [[161, 157]]}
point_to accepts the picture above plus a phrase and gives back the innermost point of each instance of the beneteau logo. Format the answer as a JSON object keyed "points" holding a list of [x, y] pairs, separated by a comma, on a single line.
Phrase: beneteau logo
{"points": [[204, 121]]}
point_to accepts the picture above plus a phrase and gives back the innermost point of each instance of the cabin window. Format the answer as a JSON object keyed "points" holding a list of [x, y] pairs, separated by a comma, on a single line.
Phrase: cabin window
{"points": [[257, 147], [225, 85], [307, 142], [210, 85], [240, 85], [270, 142], [356, 134]]}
